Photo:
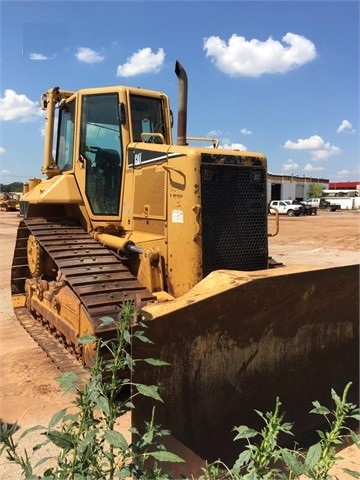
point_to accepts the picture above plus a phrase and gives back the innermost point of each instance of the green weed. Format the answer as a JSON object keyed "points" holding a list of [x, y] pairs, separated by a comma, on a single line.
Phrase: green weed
{"points": [[90, 447]]}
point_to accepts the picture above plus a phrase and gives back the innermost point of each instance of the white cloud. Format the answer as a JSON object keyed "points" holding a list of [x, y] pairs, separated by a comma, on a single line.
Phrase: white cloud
{"points": [[214, 133], [241, 57], [343, 172], [143, 61], [2, 150], [305, 144], [312, 168], [87, 55], [290, 166], [245, 131], [38, 56], [233, 146], [345, 125], [325, 152], [5, 172], [14, 106], [319, 150]]}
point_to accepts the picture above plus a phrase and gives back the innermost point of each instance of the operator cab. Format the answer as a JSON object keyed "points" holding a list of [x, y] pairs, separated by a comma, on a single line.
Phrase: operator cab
{"points": [[102, 140]]}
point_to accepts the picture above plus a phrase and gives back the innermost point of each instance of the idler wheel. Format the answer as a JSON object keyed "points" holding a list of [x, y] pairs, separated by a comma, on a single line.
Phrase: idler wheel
{"points": [[34, 255]]}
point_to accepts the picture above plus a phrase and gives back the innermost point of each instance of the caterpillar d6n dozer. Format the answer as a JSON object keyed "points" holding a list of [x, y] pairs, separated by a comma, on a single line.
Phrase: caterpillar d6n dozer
{"points": [[125, 213]]}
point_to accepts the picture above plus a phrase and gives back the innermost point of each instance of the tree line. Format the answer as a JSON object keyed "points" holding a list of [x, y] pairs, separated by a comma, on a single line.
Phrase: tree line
{"points": [[11, 187]]}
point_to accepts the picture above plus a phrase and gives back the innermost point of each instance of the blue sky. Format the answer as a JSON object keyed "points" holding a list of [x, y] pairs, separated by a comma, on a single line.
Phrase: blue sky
{"points": [[277, 77]]}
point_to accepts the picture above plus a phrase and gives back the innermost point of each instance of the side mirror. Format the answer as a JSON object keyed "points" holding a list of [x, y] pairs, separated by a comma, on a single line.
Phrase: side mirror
{"points": [[43, 101], [171, 119], [122, 113]]}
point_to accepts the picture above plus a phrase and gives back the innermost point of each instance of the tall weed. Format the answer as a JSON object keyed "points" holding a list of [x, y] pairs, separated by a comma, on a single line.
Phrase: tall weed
{"points": [[90, 446]]}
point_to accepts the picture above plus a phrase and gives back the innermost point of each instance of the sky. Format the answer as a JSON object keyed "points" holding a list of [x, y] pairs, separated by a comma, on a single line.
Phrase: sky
{"points": [[276, 77]]}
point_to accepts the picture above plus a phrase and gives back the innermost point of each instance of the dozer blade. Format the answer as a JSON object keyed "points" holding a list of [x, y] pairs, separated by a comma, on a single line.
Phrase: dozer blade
{"points": [[240, 339]]}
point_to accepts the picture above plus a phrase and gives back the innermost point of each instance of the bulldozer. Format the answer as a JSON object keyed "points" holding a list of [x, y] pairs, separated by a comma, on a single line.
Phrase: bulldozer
{"points": [[9, 201], [181, 230]]}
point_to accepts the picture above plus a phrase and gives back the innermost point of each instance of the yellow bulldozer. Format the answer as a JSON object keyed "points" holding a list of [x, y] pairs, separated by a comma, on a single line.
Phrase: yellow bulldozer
{"points": [[9, 201], [181, 230]]}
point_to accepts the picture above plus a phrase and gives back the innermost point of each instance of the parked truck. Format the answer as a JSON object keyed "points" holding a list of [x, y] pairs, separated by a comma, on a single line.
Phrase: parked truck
{"points": [[344, 203], [323, 204], [285, 207]]}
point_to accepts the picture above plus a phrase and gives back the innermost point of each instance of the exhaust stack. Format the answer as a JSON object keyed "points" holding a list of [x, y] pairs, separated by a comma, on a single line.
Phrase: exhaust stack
{"points": [[182, 103]]}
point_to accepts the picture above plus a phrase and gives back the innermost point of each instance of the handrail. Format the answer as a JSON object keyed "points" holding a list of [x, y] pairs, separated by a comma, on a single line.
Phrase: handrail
{"points": [[276, 222], [215, 141]]}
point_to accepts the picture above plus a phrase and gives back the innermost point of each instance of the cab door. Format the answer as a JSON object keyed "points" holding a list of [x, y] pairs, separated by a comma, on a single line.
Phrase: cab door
{"points": [[101, 154], [282, 207]]}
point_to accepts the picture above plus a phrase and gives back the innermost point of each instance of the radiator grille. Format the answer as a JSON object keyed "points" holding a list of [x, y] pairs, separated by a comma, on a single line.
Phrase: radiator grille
{"points": [[234, 217]]}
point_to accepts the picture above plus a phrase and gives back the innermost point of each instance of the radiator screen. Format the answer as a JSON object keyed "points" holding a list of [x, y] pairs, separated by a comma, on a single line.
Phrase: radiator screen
{"points": [[234, 217]]}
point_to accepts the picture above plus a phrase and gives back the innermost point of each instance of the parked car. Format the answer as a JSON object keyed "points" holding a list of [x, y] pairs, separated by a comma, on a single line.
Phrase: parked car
{"points": [[285, 208]]}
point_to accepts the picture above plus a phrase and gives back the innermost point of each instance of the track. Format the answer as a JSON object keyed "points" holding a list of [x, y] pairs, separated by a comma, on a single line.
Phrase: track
{"points": [[56, 351], [95, 274]]}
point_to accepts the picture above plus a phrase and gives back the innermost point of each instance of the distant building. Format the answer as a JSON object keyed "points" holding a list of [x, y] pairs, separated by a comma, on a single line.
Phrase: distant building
{"points": [[344, 186], [291, 187]]}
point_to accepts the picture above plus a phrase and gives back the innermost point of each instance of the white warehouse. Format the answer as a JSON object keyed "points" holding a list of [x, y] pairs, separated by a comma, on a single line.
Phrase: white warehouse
{"points": [[291, 187]]}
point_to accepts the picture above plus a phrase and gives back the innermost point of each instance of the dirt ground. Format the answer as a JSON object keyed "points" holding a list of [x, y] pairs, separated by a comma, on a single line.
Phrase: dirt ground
{"points": [[328, 238], [29, 393]]}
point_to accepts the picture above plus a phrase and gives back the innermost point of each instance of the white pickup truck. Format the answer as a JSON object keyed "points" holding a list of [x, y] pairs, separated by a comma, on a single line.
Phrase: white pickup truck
{"points": [[285, 208]]}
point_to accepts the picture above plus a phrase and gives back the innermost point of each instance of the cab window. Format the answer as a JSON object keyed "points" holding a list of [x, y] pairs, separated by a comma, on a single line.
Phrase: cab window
{"points": [[65, 140], [147, 119]]}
